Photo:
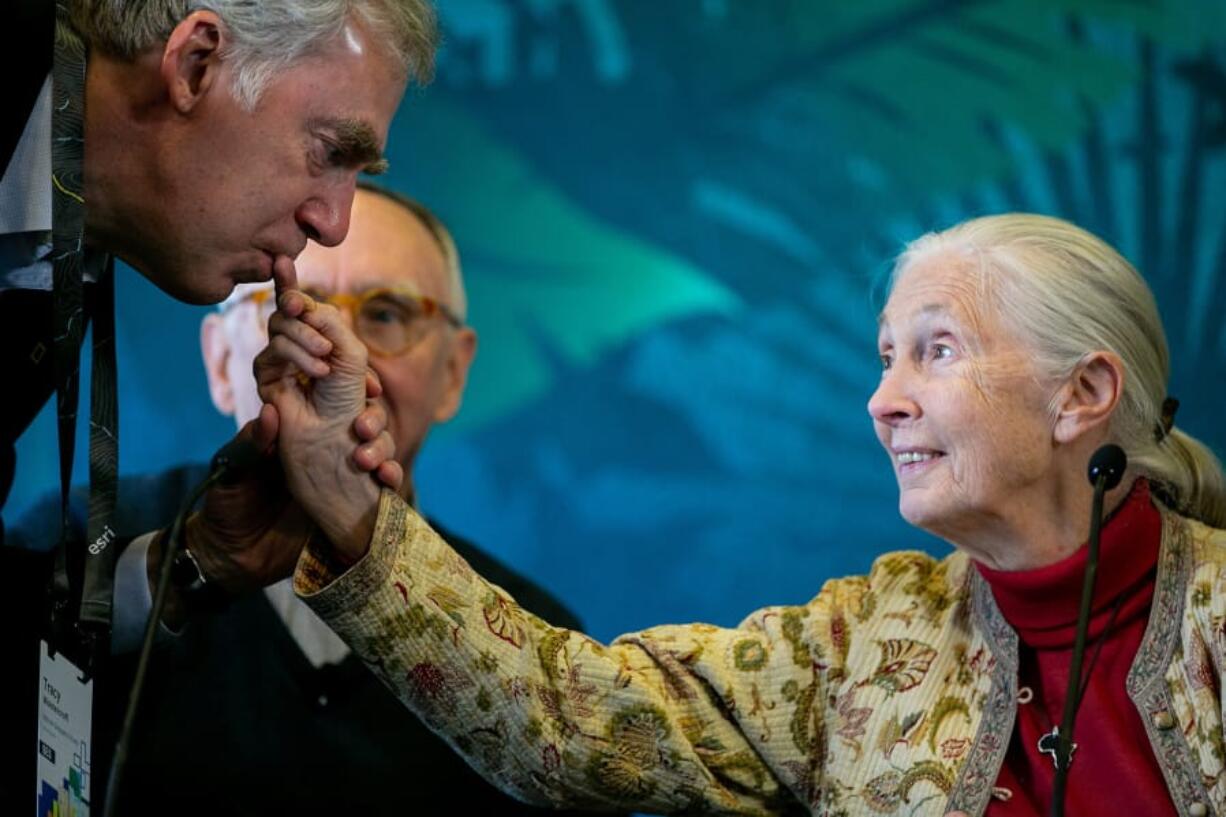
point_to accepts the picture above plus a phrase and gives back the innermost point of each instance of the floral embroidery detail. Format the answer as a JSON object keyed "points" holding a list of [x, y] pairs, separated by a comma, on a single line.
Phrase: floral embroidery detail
{"points": [[516, 689], [929, 771], [551, 707], [450, 603], [1198, 666], [930, 586], [380, 649], [945, 707], [638, 735], [853, 718], [548, 649], [905, 732], [802, 703], [868, 606], [435, 684], [451, 564], [882, 793], [839, 636], [551, 759], [489, 743], [889, 790], [982, 661], [954, 748], [617, 777], [502, 617], [793, 631], [904, 663], [801, 774], [749, 655]]}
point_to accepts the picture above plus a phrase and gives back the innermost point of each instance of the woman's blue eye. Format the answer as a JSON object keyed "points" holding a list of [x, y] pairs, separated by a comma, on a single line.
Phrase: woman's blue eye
{"points": [[885, 362], [941, 351]]}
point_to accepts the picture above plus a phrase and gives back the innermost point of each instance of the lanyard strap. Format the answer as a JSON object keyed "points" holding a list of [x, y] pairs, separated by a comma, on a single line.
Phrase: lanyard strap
{"points": [[91, 606], [97, 589]]}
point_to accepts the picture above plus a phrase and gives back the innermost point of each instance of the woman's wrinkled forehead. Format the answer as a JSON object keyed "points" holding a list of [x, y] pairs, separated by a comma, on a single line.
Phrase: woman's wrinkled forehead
{"points": [[947, 284]]}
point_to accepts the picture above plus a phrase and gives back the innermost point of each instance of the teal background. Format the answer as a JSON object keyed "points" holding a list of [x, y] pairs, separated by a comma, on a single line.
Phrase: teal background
{"points": [[674, 219]]}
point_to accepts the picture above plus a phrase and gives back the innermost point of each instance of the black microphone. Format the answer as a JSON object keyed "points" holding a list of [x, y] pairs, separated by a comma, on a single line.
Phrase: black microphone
{"points": [[1107, 467], [1108, 462]]}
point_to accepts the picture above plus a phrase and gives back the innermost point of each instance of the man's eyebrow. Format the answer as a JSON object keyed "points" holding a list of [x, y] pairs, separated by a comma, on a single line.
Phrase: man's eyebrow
{"points": [[355, 143]]}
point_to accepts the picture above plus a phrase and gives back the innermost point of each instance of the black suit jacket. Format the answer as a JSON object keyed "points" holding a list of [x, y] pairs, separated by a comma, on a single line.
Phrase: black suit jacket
{"points": [[25, 316], [32, 22]]}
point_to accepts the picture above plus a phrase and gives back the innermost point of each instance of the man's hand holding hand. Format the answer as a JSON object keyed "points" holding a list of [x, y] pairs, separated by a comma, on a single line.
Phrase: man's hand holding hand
{"points": [[248, 533]]}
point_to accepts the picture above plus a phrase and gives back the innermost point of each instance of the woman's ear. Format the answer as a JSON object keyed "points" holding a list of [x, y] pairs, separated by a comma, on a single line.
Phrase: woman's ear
{"points": [[1090, 396]]}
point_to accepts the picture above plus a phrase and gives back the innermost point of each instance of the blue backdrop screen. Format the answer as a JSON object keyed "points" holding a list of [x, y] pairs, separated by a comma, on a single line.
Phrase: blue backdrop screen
{"points": [[674, 220]]}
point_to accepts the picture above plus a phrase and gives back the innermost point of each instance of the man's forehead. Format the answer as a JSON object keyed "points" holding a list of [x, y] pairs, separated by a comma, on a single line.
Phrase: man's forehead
{"points": [[330, 270]]}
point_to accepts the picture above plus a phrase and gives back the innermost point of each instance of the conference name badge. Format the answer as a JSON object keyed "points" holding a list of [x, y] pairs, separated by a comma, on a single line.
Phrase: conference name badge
{"points": [[65, 705]]}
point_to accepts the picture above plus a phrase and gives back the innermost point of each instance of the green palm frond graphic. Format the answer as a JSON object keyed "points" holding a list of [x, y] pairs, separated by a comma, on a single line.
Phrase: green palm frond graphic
{"points": [[550, 284]]}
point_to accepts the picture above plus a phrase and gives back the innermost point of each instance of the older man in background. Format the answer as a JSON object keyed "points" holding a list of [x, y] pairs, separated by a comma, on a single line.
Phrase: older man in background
{"points": [[259, 707]]}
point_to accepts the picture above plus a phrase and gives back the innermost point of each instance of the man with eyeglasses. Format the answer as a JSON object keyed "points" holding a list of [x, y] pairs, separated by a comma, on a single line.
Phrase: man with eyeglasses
{"points": [[259, 707]]}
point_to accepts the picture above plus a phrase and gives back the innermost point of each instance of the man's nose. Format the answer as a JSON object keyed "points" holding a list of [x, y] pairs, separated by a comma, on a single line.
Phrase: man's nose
{"points": [[324, 218]]}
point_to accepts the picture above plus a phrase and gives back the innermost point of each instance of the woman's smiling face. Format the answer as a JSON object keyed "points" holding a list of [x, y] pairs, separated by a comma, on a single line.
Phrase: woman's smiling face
{"points": [[960, 409]]}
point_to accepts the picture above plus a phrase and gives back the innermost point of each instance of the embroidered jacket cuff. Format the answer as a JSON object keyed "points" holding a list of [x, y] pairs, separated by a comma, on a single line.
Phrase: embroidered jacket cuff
{"points": [[332, 590]]}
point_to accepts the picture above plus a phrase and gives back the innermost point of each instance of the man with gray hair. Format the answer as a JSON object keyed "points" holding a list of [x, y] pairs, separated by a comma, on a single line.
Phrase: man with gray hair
{"points": [[204, 142], [219, 137]]}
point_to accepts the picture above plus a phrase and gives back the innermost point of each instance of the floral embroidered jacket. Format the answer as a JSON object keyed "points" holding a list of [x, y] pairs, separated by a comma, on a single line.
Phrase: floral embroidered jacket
{"points": [[891, 693]]}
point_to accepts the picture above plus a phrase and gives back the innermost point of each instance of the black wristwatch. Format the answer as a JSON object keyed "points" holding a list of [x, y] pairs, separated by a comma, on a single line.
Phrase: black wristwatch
{"points": [[193, 586], [186, 574]]}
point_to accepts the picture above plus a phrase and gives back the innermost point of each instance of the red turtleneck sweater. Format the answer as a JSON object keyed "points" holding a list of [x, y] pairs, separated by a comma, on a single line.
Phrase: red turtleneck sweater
{"points": [[1114, 771]]}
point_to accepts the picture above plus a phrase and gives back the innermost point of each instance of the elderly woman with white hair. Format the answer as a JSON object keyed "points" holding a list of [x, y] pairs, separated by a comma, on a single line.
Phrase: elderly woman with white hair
{"points": [[1012, 347]]}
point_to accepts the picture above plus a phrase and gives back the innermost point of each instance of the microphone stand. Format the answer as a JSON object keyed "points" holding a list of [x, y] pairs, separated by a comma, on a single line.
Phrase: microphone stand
{"points": [[228, 464], [1106, 469]]}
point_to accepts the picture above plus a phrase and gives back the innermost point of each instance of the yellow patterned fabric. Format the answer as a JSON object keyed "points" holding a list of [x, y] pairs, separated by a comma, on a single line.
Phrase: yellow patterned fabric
{"points": [[891, 693]]}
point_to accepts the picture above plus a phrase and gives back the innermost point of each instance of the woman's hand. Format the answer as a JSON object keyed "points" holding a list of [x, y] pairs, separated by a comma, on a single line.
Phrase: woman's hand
{"points": [[314, 374]]}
